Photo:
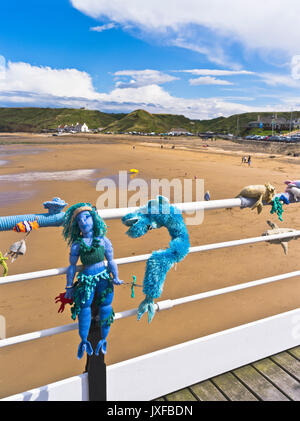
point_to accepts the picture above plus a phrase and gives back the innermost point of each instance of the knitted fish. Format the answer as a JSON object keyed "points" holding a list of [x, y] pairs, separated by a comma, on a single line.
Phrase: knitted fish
{"points": [[26, 226]]}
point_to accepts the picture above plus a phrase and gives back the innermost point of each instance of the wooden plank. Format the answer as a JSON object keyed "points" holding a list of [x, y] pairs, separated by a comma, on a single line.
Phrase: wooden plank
{"points": [[288, 363], [284, 382], [200, 359], [259, 385], [181, 395], [232, 388], [206, 391], [295, 352]]}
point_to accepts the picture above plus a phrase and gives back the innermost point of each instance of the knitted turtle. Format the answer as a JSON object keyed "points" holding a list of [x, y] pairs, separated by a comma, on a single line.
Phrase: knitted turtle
{"points": [[276, 230]]}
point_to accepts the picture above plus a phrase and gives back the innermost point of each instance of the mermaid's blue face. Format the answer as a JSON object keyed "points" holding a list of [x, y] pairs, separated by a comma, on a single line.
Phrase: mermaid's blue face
{"points": [[85, 222]]}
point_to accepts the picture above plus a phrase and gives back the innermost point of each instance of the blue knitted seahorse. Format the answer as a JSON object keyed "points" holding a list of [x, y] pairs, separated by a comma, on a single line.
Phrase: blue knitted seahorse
{"points": [[156, 214]]}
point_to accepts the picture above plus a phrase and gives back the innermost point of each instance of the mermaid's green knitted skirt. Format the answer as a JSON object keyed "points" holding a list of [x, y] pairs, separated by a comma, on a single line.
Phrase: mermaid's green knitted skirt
{"points": [[85, 287]]}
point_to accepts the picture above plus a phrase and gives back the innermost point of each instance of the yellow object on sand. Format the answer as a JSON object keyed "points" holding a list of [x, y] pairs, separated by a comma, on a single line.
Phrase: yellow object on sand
{"points": [[134, 171]]}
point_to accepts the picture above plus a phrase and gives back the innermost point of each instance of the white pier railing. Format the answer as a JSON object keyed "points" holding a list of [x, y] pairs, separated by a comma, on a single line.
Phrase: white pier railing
{"points": [[136, 379], [184, 207]]}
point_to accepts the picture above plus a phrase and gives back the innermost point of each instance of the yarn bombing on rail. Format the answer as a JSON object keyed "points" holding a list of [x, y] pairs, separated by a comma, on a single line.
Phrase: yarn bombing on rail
{"points": [[277, 208], [262, 193], [26, 226], [293, 190], [275, 230], [19, 247], [85, 230], [158, 213], [3, 264]]}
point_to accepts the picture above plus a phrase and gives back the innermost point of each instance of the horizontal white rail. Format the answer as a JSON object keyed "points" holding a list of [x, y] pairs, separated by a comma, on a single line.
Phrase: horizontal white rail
{"points": [[184, 207], [37, 335], [143, 257], [198, 359], [160, 306], [75, 389]]}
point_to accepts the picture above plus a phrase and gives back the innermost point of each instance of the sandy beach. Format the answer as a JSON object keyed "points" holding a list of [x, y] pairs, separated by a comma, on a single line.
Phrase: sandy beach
{"points": [[36, 169]]}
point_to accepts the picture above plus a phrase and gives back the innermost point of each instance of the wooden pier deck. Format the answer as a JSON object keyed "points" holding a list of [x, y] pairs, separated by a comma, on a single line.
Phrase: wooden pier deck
{"points": [[276, 378]]}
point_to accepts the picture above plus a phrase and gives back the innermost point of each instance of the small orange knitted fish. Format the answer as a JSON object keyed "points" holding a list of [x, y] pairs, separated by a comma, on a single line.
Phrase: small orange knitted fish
{"points": [[26, 226]]}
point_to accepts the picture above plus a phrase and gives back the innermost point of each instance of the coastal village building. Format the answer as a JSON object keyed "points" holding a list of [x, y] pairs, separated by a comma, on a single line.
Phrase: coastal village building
{"points": [[179, 132], [296, 124], [77, 128], [84, 128], [275, 122]]}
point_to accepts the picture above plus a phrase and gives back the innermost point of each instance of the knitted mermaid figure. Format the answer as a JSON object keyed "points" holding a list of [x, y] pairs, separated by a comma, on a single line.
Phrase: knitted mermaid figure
{"points": [[85, 231], [156, 214]]}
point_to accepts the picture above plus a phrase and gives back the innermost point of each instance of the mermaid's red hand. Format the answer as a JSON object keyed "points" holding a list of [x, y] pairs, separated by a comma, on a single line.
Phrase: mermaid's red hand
{"points": [[63, 300]]}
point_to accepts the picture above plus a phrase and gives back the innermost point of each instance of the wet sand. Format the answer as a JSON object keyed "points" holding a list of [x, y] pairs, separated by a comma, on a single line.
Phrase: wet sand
{"points": [[29, 306]]}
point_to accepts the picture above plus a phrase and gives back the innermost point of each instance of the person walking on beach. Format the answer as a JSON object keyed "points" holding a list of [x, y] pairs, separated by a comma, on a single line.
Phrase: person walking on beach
{"points": [[249, 161]]}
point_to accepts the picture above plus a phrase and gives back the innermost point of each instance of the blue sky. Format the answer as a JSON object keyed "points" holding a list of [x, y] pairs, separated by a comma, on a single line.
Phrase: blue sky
{"points": [[190, 57]]}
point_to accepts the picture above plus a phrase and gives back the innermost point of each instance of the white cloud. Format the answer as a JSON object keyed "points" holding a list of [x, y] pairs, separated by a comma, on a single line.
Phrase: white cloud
{"points": [[2, 67], [23, 77], [238, 98], [155, 99], [214, 53], [44, 86], [102, 28], [208, 80], [295, 67], [207, 76], [267, 25], [273, 79], [215, 72], [140, 78]]}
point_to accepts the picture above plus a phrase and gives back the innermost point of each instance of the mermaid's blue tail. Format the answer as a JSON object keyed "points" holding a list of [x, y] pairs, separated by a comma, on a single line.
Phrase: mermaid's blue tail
{"points": [[84, 346], [84, 320], [102, 345], [146, 306], [106, 316]]}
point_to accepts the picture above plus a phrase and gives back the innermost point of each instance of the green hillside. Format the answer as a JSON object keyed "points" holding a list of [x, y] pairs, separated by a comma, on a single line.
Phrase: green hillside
{"points": [[239, 122], [37, 119], [142, 121]]}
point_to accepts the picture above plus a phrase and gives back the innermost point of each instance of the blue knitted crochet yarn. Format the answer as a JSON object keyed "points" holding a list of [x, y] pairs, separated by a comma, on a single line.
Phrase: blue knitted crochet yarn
{"points": [[84, 288], [159, 213]]}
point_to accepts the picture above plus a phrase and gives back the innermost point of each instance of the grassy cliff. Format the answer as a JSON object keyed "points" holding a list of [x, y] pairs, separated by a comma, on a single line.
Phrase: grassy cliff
{"points": [[142, 121], [38, 119]]}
